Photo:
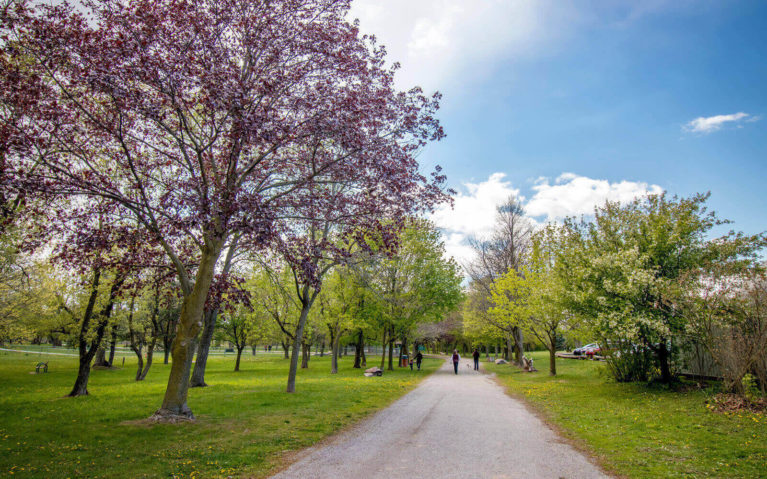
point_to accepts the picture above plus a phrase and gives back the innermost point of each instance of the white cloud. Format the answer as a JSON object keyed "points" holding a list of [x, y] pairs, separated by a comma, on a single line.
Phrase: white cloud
{"points": [[472, 214], [444, 41], [569, 195], [574, 195], [713, 123]]}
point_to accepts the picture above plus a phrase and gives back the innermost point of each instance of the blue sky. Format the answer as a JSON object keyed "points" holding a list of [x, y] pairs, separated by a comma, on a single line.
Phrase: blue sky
{"points": [[568, 103]]}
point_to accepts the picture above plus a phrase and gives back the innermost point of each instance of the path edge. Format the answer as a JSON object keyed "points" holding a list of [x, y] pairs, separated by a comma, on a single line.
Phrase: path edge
{"points": [[288, 459], [562, 434]]}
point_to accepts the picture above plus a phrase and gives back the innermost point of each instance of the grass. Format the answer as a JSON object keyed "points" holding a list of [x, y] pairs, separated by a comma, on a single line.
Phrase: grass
{"points": [[247, 425], [640, 431]]}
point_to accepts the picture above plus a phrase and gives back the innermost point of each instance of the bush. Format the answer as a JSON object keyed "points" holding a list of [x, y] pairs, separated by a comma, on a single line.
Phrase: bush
{"points": [[628, 362]]}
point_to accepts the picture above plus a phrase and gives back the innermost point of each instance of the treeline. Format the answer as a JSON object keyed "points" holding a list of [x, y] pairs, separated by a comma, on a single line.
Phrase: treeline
{"points": [[373, 298], [642, 278]]}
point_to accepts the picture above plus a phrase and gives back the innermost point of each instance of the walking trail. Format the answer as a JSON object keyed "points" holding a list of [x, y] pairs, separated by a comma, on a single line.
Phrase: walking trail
{"points": [[450, 426]]}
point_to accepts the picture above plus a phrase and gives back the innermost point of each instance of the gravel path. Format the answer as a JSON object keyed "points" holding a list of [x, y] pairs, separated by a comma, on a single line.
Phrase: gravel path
{"points": [[450, 426]]}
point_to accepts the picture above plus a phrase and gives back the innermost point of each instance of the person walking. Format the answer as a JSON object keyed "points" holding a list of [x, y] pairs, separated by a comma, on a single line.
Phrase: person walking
{"points": [[476, 359], [456, 359], [418, 359]]}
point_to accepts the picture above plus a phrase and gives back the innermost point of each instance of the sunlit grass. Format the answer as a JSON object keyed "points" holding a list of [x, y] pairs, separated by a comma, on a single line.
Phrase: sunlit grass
{"points": [[639, 431], [246, 422]]}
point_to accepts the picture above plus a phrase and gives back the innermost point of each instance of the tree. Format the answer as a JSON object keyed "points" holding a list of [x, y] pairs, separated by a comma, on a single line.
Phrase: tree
{"points": [[269, 294], [415, 285], [107, 259], [209, 319], [237, 327], [339, 305], [532, 298], [150, 317], [505, 250], [201, 137], [93, 323], [625, 268]]}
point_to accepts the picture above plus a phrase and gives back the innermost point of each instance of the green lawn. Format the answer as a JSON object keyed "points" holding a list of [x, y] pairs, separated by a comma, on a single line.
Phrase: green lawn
{"points": [[246, 424], [638, 431]]}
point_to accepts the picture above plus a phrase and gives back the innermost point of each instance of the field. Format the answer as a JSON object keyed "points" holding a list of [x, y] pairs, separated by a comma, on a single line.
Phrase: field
{"points": [[247, 425], [640, 431]]}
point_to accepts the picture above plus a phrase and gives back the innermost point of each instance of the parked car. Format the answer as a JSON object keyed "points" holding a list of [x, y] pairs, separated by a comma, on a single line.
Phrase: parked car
{"points": [[583, 349], [591, 351]]}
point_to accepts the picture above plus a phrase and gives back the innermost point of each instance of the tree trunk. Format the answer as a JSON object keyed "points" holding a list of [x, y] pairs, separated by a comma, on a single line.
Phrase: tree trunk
{"points": [[306, 350], [518, 347], [166, 347], [190, 321], [101, 358], [383, 347], [663, 360], [306, 306], [322, 348], [239, 354], [86, 350], [137, 350], [553, 360], [112, 346], [391, 353], [198, 374], [285, 349], [335, 345], [149, 355], [81, 383], [297, 343], [359, 350], [254, 350]]}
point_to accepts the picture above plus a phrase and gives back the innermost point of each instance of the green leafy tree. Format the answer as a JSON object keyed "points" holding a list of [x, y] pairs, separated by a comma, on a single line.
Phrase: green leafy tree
{"points": [[532, 298], [625, 267], [416, 285], [339, 307]]}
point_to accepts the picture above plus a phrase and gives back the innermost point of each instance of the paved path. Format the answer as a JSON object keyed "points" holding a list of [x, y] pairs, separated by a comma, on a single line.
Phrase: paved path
{"points": [[449, 427]]}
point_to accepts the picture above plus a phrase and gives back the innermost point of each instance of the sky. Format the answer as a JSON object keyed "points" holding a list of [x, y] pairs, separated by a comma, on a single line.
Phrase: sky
{"points": [[565, 104]]}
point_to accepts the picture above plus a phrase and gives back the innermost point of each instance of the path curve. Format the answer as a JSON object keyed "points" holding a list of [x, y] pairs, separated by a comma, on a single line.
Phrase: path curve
{"points": [[450, 426]]}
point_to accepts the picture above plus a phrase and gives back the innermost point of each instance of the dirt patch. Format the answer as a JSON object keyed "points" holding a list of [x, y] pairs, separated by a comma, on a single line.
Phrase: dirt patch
{"points": [[156, 419], [734, 403]]}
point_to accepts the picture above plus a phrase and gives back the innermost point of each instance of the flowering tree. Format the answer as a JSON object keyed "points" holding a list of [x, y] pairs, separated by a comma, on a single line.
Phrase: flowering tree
{"points": [[201, 120], [625, 269]]}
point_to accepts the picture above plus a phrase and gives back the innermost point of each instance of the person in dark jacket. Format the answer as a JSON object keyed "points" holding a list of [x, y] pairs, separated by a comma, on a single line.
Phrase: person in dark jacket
{"points": [[456, 360], [476, 359], [418, 359]]}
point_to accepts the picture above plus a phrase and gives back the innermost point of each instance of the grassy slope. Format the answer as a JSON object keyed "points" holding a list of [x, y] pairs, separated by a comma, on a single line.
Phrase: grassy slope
{"points": [[637, 431], [246, 423]]}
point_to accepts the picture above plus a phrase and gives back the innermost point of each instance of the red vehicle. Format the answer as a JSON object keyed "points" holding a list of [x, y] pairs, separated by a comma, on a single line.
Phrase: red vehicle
{"points": [[592, 350]]}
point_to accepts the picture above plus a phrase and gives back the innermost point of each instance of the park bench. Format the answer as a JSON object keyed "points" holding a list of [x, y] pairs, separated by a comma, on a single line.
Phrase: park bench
{"points": [[41, 366]]}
